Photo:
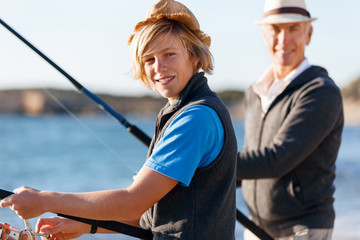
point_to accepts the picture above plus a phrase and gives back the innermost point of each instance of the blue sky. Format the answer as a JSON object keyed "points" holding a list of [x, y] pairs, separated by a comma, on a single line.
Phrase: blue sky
{"points": [[88, 39]]}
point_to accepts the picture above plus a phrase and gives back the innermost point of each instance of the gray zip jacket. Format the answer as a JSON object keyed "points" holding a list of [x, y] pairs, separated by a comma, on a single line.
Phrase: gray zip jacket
{"points": [[287, 169]]}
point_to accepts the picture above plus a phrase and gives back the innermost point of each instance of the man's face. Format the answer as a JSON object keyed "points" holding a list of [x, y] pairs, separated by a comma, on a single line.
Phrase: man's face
{"points": [[286, 43]]}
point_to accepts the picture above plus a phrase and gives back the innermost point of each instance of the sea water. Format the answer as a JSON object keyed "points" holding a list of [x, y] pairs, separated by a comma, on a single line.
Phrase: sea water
{"points": [[90, 153]]}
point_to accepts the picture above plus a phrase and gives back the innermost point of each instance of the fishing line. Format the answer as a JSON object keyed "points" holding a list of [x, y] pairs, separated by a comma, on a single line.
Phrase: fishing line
{"points": [[101, 141]]}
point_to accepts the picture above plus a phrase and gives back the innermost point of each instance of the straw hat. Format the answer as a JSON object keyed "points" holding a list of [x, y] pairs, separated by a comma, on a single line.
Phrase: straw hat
{"points": [[173, 10], [285, 11]]}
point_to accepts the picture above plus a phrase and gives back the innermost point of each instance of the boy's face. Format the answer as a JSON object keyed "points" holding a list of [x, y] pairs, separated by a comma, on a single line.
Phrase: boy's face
{"points": [[168, 66]]}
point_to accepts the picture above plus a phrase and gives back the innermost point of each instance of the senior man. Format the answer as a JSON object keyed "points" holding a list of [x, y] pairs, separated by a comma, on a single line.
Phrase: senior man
{"points": [[293, 126]]}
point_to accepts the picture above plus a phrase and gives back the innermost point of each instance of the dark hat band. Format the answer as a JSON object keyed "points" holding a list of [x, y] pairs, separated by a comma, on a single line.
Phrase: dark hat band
{"points": [[297, 10]]}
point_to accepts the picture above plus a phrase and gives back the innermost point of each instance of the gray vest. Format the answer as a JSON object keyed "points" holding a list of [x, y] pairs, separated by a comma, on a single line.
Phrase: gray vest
{"points": [[205, 209]]}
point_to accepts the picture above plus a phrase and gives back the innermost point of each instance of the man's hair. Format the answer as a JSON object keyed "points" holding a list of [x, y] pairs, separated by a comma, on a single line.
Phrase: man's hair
{"points": [[149, 32]]}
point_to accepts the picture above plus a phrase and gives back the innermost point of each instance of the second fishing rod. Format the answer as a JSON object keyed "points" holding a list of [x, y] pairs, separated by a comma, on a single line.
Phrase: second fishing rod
{"points": [[135, 131]]}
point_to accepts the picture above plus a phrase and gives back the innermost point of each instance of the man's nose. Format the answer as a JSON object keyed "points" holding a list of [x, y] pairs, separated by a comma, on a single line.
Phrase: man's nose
{"points": [[283, 36]]}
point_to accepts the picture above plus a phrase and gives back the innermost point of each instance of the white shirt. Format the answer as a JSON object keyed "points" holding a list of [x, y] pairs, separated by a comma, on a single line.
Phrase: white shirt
{"points": [[268, 87]]}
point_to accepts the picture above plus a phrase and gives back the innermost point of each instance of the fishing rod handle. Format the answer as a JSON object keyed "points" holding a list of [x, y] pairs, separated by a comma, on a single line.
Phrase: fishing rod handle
{"points": [[115, 226], [4, 194]]}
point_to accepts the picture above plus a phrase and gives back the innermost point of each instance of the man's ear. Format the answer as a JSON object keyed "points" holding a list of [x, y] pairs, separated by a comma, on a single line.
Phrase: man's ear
{"points": [[310, 31]]}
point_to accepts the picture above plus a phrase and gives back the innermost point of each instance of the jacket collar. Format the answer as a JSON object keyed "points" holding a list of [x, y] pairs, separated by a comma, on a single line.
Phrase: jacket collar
{"points": [[307, 75]]}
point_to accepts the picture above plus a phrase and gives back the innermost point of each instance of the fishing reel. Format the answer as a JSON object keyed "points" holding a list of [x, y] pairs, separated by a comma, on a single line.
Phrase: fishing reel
{"points": [[8, 232]]}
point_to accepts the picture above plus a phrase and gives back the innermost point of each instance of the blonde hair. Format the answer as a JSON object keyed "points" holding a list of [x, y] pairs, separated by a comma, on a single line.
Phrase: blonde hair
{"points": [[144, 36]]}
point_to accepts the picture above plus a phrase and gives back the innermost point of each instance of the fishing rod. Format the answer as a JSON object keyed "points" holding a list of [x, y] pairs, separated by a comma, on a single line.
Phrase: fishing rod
{"points": [[140, 135], [108, 225]]}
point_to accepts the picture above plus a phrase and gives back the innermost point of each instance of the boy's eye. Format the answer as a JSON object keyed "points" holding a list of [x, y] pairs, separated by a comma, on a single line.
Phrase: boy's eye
{"points": [[149, 60]]}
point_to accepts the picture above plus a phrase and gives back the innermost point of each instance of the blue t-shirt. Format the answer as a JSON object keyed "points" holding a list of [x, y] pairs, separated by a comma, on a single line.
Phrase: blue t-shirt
{"points": [[193, 140]]}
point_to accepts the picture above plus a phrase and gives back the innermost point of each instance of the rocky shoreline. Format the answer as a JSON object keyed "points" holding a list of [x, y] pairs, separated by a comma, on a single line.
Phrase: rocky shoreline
{"points": [[352, 112], [53, 101]]}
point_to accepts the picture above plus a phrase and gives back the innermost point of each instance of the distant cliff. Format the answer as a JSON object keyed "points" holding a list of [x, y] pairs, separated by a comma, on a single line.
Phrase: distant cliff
{"points": [[351, 96], [55, 101]]}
